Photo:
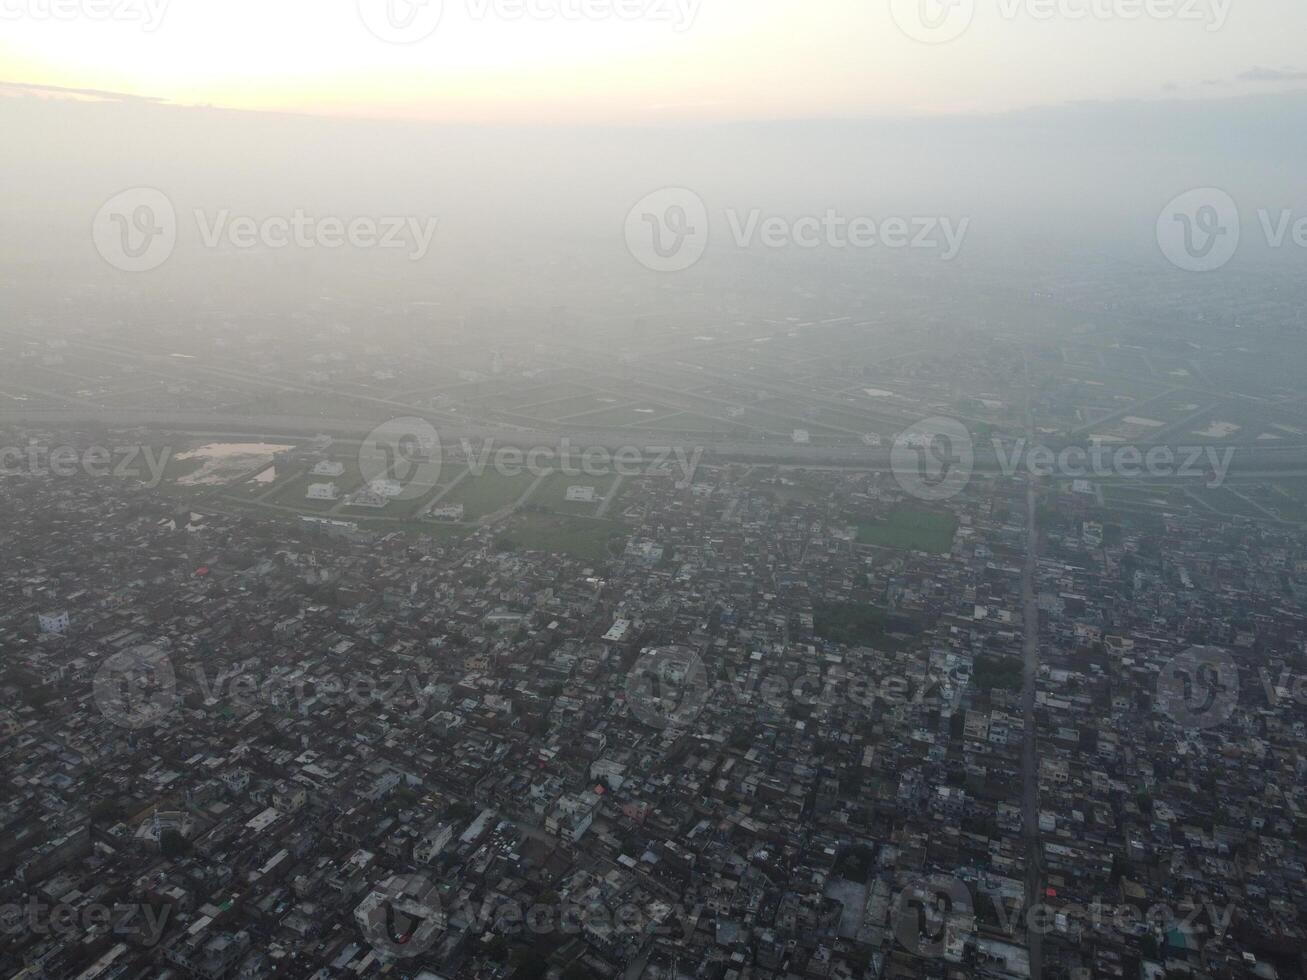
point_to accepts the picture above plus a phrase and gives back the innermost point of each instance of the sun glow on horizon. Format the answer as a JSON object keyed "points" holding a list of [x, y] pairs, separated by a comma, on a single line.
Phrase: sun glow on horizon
{"points": [[608, 60]]}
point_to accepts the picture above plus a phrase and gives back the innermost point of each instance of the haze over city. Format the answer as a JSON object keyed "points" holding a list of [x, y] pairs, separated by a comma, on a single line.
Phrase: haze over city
{"points": [[658, 489]]}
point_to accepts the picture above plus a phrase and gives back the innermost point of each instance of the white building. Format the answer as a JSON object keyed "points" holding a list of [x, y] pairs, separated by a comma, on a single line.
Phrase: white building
{"points": [[368, 497], [323, 491], [289, 797], [56, 622], [572, 815], [449, 512], [329, 467], [581, 495], [432, 843]]}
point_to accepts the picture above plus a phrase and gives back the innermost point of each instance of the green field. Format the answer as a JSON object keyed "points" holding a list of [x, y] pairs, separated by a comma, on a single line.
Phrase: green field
{"points": [[685, 422], [578, 537], [1290, 501], [1227, 502], [911, 529], [551, 495], [291, 492], [855, 624], [490, 492], [625, 415]]}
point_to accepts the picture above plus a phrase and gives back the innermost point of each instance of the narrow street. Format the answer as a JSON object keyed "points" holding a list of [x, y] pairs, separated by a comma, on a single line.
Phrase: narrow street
{"points": [[1029, 759]]}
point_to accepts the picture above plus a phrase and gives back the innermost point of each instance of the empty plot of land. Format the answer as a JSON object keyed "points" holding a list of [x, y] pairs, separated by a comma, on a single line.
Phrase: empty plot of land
{"points": [[488, 492], [911, 529]]}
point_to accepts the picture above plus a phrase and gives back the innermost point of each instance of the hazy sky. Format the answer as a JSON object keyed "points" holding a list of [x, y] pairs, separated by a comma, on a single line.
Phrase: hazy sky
{"points": [[653, 60]]}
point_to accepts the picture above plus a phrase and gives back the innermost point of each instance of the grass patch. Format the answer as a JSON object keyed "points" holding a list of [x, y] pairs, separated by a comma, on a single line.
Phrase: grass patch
{"points": [[1228, 502], [490, 492], [990, 673], [911, 529], [1291, 506], [551, 495], [858, 625], [578, 537], [292, 491]]}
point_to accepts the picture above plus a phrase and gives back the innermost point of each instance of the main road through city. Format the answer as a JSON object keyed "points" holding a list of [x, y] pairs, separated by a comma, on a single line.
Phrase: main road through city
{"points": [[1029, 759], [1248, 461]]}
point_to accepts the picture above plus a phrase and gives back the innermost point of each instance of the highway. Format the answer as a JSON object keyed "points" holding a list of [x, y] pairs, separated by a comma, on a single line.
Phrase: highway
{"points": [[1248, 462]]}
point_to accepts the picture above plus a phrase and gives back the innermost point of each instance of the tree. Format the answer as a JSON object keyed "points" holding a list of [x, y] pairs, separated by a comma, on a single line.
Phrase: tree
{"points": [[173, 844]]}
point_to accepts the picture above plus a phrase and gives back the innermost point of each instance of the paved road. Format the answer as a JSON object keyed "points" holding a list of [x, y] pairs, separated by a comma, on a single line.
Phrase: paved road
{"points": [[1030, 678], [1248, 461], [1029, 758]]}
